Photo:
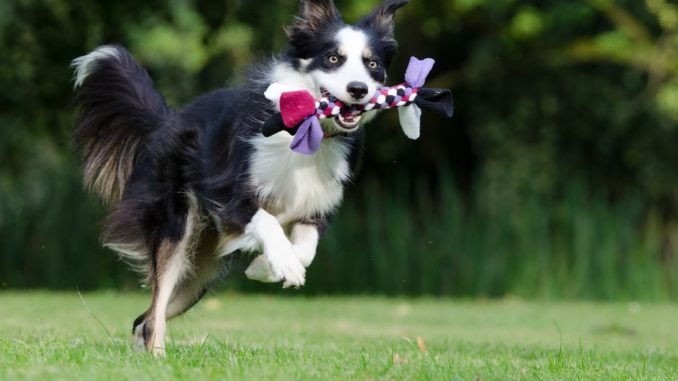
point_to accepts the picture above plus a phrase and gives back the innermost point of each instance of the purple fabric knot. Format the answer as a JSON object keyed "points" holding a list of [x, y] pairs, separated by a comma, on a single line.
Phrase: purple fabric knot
{"points": [[309, 136], [418, 70]]}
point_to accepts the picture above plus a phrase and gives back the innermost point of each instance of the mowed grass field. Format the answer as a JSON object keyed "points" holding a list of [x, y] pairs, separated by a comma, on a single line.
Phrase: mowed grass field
{"points": [[54, 336]]}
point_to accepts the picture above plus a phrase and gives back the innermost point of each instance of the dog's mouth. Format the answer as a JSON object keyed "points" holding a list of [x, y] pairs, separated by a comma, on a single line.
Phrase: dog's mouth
{"points": [[347, 122]]}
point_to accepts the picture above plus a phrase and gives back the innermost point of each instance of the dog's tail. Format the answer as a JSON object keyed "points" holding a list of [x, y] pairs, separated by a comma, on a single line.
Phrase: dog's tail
{"points": [[118, 107]]}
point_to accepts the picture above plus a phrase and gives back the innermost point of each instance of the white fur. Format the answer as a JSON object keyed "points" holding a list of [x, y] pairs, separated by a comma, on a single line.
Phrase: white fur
{"points": [[261, 271], [295, 186], [175, 270], [353, 44], [86, 64], [290, 79], [277, 249], [244, 242], [305, 241], [275, 91]]}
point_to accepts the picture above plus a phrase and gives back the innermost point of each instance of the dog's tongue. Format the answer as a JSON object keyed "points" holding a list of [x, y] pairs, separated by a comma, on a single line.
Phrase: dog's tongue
{"points": [[348, 118]]}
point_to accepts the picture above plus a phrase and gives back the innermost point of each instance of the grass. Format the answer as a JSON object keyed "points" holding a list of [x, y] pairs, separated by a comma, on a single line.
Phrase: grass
{"points": [[49, 336]]}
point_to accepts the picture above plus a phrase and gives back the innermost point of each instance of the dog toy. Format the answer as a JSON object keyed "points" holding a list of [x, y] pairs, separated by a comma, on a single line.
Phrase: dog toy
{"points": [[300, 113]]}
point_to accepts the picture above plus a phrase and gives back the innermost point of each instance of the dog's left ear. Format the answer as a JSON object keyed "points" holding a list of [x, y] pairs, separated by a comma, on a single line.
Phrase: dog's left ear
{"points": [[382, 19], [313, 17]]}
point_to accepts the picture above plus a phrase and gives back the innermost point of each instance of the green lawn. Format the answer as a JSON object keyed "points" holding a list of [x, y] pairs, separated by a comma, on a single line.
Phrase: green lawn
{"points": [[52, 336]]}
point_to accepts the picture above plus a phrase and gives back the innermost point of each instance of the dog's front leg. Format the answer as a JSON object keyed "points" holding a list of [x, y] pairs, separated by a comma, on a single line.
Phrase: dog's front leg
{"points": [[305, 238], [279, 261], [305, 242]]}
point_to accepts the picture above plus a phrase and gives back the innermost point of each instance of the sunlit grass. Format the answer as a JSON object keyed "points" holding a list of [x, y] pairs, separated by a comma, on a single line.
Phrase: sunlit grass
{"points": [[53, 336]]}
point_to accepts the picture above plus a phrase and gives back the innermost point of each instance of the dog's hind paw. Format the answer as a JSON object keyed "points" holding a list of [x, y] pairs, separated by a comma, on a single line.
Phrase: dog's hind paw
{"points": [[138, 342]]}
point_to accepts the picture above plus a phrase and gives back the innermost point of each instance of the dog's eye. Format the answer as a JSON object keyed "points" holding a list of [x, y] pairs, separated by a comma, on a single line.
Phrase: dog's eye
{"points": [[333, 59], [373, 64]]}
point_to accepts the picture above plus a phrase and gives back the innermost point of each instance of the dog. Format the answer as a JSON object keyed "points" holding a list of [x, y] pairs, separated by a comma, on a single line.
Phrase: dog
{"points": [[188, 187]]}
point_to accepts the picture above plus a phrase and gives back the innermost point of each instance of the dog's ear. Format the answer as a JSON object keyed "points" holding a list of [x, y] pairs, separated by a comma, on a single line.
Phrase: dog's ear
{"points": [[382, 19], [314, 16]]}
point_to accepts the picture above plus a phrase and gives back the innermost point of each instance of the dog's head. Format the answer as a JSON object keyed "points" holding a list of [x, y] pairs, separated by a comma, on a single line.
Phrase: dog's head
{"points": [[347, 61]]}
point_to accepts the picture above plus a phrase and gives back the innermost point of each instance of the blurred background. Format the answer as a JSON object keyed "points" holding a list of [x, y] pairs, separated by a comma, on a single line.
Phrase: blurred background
{"points": [[557, 177]]}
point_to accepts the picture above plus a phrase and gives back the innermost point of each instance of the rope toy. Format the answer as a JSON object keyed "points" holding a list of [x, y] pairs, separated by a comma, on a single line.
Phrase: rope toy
{"points": [[300, 113]]}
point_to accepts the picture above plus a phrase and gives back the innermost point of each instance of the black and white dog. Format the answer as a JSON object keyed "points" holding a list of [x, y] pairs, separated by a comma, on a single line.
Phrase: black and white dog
{"points": [[189, 187]]}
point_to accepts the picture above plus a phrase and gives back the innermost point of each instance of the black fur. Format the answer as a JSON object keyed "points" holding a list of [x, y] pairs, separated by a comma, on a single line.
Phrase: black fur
{"points": [[313, 27], [202, 149], [119, 109], [382, 20], [155, 163]]}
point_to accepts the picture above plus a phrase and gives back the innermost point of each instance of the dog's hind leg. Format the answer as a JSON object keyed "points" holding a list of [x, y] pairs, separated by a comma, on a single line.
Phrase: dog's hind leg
{"points": [[204, 271], [171, 264], [186, 294]]}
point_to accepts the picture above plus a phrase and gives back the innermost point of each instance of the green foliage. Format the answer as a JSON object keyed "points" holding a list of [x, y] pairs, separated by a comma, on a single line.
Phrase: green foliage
{"points": [[556, 178], [415, 242]]}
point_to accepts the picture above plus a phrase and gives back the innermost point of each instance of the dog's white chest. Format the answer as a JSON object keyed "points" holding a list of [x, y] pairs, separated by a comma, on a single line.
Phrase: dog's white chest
{"points": [[294, 186]]}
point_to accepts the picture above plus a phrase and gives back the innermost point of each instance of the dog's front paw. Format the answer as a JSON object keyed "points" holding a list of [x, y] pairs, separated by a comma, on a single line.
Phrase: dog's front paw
{"points": [[260, 270], [287, 267]]}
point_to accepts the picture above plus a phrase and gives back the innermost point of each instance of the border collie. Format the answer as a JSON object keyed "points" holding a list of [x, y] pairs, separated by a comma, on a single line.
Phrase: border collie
{"points": [[189, 187]]}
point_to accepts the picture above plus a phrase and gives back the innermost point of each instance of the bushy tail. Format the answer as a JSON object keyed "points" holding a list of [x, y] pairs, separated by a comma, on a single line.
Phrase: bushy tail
{"points": [[119, 106]]}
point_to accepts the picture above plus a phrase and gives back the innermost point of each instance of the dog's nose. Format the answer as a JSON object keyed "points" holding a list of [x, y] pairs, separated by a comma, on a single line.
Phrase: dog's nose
{"points": [[357, 90]]}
